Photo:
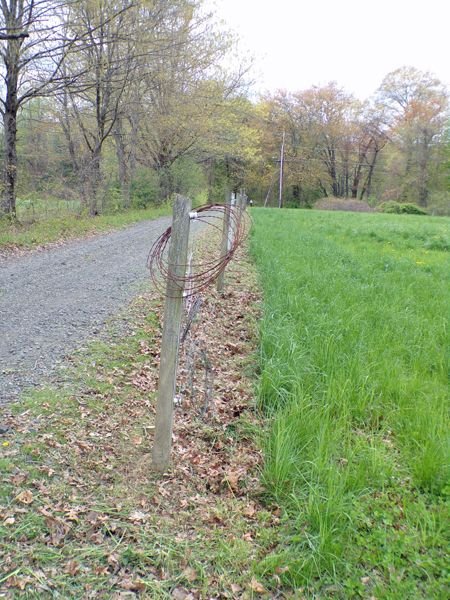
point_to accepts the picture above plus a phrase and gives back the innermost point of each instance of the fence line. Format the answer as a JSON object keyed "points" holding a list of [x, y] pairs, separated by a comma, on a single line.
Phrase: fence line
{"points": [[184, 280]]}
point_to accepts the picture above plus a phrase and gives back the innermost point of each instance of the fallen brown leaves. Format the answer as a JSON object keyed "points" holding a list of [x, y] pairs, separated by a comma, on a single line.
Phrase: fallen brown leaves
{"points": [[25, 497], [207, 456]]}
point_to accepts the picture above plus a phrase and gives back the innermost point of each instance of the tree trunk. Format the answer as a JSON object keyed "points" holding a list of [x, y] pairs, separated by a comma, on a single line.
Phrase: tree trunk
{"points": [[345, 176], [358, 169], [355, 182], [10, 110], [323, 189], [91, 182], [64, 120], [423, 186], [366, 189], [123, 170], [331, 166], [423, 173], [334, 185], [407, 187], [166, 183], [357, 178], [211, 179], [10, 166]]}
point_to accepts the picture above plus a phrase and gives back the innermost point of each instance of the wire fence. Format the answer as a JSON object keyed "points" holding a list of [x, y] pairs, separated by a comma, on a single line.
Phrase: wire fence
{"points": [[199, 275], [184, 276]]}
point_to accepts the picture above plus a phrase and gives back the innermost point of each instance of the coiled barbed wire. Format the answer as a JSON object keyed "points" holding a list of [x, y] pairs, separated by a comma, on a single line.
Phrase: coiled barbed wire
{"points": [[199, 275]]}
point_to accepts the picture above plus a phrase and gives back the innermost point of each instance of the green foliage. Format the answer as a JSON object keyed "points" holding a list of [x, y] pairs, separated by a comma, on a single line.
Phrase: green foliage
{"points": [[44, 166], [412, 209], [353, 378], [401, 208], [150, 187], [296, 196], [144, 188], [220, 180], [188, 177]]}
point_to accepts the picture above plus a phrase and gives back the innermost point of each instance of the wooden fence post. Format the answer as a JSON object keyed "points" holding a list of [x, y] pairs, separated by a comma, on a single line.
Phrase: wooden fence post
{"points": [[170, 342], [224, 247], [242, 202], [238, 200]]}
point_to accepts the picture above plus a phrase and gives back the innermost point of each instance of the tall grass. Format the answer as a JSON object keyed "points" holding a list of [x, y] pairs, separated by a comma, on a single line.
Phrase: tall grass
{"points": [[353, 378]]}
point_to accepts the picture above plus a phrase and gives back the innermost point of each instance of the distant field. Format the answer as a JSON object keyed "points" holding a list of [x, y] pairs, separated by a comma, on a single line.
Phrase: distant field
{"points": [[353, 378]]}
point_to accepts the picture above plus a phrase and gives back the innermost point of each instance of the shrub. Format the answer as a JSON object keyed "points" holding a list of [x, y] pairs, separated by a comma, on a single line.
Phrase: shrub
{"points": [[401, 208], [412, 209], [389, 207]]}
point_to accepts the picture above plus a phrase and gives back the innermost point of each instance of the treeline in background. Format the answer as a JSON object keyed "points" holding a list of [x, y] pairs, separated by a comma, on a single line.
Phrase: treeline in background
{"points": [[110, 105]]}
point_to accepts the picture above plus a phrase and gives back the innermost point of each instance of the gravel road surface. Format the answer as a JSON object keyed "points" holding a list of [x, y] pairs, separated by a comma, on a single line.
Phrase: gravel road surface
{"points": [[51, 301]]}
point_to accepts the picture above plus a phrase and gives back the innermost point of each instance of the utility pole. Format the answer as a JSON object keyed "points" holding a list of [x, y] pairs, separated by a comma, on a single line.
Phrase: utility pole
{"points": [[280, 191]]}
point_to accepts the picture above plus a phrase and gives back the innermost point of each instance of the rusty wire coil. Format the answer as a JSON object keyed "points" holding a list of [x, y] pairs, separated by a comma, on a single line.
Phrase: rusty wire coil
{"points": [[199, 275]]}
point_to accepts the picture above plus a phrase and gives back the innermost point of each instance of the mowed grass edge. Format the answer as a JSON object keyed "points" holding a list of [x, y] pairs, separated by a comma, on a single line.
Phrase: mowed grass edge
{"points": [[353, 377]]}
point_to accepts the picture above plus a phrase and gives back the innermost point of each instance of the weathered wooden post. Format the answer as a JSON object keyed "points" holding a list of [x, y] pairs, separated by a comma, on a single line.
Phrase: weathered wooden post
{"points": [[234, 200], [238, 200], [225, 244], [170, 342], [243, 201]]}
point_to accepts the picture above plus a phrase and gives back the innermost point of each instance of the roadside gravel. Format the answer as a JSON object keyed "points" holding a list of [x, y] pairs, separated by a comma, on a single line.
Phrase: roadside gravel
{"points": [[54, 300]]}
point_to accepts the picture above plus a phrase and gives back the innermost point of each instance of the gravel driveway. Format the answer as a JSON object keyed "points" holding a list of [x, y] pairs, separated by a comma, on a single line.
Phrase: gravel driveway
{"points": [[51, 301]]}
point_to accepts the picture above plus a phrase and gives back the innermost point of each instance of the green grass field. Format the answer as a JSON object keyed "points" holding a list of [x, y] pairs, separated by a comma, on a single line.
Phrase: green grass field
{"points": [[353, 379]]}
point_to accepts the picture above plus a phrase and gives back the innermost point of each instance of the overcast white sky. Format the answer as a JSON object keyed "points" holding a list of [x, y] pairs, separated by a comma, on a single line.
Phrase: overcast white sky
{"points": [[300, 43]]}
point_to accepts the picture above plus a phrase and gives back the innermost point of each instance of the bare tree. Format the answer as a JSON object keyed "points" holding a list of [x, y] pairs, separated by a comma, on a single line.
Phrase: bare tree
{"points": [[33, 44], [91, 106], [368, 142]]}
